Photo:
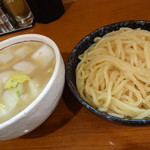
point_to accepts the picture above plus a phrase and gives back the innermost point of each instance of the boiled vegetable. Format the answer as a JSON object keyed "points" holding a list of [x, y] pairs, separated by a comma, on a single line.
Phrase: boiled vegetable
{"points": [[15, 79]]}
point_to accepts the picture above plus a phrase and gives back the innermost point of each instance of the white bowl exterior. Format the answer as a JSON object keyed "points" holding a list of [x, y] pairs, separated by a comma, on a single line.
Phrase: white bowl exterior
{"points": [[43, 106]]}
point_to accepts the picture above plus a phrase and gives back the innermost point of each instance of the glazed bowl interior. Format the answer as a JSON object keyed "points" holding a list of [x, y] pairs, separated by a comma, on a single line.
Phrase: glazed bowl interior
{"points": [[81, 47], [42, 107]]}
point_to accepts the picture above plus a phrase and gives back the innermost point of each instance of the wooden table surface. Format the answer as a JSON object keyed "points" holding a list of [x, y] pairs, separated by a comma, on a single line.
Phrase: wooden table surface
{"points": [[72, 126]]}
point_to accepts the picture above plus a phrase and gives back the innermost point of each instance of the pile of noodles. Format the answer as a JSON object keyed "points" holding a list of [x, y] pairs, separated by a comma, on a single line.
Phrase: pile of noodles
{"points": [[114, 73]]}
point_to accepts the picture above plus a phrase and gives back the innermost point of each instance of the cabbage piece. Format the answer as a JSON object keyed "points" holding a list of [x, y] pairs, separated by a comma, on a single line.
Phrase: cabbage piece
{"points": [[10, 98], [43, 55], [34, 87], [25, 67], [5, 75], [2, 109], [19, 89], [6, 56], [15, 79], [13, 90]]}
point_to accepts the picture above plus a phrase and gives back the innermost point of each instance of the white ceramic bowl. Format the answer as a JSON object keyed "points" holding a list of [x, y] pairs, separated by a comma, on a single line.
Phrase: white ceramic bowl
{"points": [[43, 106]]}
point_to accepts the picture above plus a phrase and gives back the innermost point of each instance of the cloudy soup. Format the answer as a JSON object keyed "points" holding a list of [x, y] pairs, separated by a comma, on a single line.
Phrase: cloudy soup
{"points": [[26, 68]]}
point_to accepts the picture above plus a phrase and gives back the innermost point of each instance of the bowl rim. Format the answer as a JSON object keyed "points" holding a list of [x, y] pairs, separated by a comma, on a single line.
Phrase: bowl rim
{"points": [[38, 99], [73, 88]]}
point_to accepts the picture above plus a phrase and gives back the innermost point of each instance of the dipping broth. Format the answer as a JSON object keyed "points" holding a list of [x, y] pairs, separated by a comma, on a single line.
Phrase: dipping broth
{"points": [[26, 68]]}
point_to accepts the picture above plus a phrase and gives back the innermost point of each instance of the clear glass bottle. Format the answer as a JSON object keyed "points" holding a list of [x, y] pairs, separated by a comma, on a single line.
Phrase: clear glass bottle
{"points": [[20, 10], [5, 21]]}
